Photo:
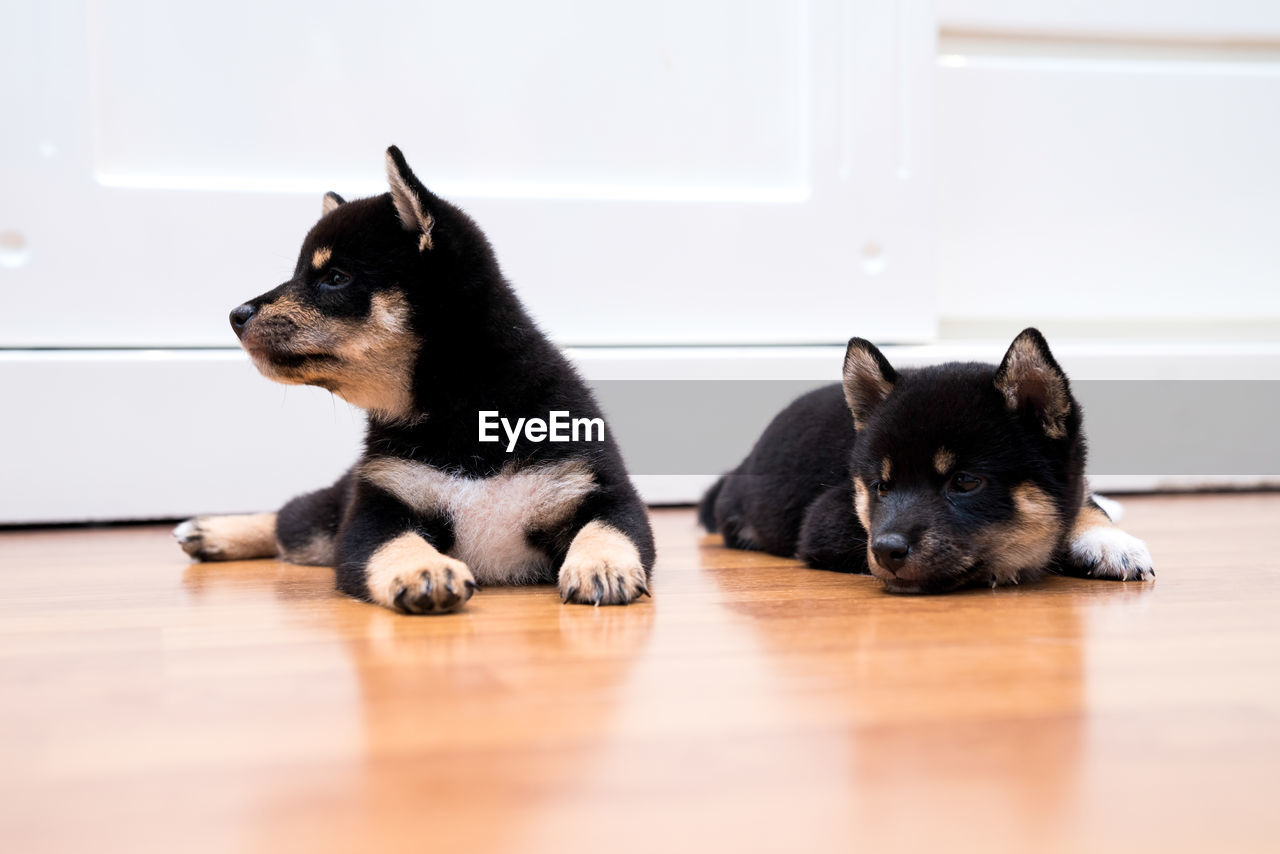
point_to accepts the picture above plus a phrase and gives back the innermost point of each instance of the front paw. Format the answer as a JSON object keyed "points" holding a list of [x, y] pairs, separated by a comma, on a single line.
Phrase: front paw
{"points": [[602, 567], [408, 575], [242, 537], [1106, 552], [435, 589]]}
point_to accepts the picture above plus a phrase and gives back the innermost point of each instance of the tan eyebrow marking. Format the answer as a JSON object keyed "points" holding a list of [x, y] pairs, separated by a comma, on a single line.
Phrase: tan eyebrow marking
{"points": [[321, 257], [943, 460], [886, 469]]}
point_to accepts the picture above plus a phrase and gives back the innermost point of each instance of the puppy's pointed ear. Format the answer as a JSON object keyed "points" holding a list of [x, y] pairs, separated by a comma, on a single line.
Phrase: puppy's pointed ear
{"points": [[330, 202], [1030, 380], [868, 379], [411, 198]]}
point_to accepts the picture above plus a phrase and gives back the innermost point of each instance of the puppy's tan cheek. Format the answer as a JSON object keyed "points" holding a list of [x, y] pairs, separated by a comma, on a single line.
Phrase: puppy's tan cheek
{"points": [[376, 356], [1028, 540]]}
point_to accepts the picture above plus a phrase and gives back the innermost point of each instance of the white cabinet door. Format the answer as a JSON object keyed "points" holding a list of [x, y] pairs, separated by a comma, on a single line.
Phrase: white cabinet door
{"points": [[1109, 166], [655, 173]]}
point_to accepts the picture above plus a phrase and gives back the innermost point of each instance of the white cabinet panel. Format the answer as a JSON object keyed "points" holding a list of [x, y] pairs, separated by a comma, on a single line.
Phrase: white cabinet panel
{"points": [[1115, 189], [554, 93], [665, 173]]}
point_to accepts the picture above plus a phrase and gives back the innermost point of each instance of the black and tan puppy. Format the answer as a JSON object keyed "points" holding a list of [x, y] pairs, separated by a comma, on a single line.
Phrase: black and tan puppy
{"points": [[932, 479], [398, 306]]}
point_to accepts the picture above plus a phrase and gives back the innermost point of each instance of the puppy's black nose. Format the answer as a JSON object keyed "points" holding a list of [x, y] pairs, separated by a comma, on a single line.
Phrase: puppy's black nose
{"points": [[240, 316], [891, 551]]}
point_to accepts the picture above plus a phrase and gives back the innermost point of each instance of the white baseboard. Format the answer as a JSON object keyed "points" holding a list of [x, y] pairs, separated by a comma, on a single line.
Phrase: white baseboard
{"points": [[100, 435]]}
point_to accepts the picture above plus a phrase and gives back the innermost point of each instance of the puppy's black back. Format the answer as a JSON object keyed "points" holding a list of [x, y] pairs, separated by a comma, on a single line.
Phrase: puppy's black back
{"points": [[804, 450]]}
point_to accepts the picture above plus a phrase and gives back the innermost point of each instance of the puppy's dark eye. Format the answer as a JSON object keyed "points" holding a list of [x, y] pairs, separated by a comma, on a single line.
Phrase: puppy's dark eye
{"points": [[964, 483], [881, 487], [335, 279]]}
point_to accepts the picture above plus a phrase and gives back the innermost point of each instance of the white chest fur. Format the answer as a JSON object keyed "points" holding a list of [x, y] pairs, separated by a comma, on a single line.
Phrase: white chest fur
{"points": [[491, 516]]}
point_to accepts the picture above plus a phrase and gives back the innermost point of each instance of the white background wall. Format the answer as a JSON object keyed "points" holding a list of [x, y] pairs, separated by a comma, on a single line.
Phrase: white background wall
{"points": [[717, 175]]}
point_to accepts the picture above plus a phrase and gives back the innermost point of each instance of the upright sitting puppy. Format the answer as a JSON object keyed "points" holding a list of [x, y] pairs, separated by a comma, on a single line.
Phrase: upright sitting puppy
{"points": [[397, 305], [932, 480]]}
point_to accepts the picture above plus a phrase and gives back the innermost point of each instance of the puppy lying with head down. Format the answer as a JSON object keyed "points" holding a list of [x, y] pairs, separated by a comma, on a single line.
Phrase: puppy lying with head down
{"points": [[398, 306], [932, 479]]}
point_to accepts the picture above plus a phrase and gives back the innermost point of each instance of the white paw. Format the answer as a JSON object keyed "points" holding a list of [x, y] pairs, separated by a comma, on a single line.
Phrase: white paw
{"points": [[602, 568], [1105, 552], [602, 581]]}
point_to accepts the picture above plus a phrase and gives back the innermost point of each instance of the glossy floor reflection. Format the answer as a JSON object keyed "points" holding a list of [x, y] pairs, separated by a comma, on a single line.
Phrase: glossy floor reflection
{"points": [[151, 704]]}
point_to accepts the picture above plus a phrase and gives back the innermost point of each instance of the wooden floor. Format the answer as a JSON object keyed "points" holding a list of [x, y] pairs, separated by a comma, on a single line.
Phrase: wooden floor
{"points": [[152, 704]]}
